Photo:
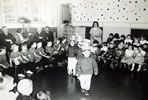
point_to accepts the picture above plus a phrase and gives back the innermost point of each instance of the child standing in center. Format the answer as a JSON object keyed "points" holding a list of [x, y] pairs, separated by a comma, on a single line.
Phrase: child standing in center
{"points": [[85, 67]]}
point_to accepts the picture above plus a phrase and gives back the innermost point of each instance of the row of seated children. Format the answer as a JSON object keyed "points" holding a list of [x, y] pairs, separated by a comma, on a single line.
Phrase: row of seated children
{"points": [[23, 60], [127, 52]]}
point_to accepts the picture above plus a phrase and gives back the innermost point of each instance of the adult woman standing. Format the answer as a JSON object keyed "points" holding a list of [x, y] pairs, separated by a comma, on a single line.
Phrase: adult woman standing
{"points": [[95, 32]]}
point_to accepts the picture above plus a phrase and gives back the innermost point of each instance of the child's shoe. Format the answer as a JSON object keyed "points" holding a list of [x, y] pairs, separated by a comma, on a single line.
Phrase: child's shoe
{"points": [[87, 92], [83, 90]]}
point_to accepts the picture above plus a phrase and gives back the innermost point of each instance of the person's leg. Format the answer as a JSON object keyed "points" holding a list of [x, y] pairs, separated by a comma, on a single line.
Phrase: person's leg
{"points": [[87, 80], [133, 66], [69, 69], [82, 82], [74, 66], [139, 68]]}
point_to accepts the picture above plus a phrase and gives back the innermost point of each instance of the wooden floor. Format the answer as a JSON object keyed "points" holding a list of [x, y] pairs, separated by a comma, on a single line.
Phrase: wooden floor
{"points": [[108, 85]]}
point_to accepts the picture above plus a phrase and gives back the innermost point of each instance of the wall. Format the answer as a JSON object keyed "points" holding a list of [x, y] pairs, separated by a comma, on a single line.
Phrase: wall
{"points": [[107, 12], [40, 12]]}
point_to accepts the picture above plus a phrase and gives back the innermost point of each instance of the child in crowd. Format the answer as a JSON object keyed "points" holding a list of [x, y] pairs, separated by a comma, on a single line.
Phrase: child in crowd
{"points": [[110, 38], [72, 54], [42, 95], [128, 57], [63, 49], [49, 52], [95, 49], [116, 39], [143, 40], [110, 53], [3, 61], [16, 59], [102, 52], [33, 54], [119, 53], [128, 39], [26, 57], [42, 59], [85, 67], [49, 49], [139, 54], [122, 39], [136, 42], [56, 52]]}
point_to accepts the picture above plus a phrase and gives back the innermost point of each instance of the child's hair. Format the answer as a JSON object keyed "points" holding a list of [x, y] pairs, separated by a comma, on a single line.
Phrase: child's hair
{"points": [[42, 95], [32, 43], [95, 22], [116, 35], [111, 34], [123, 36]]}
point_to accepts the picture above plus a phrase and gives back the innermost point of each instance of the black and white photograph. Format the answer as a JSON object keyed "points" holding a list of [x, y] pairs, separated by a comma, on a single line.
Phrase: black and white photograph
{"points": [[73, 49]]}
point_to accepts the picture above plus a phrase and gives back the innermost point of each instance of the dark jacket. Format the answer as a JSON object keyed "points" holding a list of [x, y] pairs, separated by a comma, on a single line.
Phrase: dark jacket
{"points": [[86, 66]]}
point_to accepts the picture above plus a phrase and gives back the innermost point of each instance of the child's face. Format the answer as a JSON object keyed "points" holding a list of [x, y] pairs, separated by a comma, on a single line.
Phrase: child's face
{"points": [[86, 53], [49, 44], [136, 40], [128, 37], [39, 45], [120, 46], [135, 48], [130, 47], [24, 47], [64, 41], [72, 43], [58, 41], [34, 45], [110, 36], [111, 45]]}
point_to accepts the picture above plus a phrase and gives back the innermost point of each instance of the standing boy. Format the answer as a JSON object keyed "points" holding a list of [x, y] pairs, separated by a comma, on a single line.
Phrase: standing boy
{"points": [[85, 67]]}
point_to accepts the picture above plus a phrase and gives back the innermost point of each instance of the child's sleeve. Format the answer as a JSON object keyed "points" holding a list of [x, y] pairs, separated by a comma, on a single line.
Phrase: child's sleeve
{"points": [[78, 67], [95, 67]]}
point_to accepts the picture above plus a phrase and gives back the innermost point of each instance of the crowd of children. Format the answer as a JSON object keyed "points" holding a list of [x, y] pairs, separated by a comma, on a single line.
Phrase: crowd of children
{"points": [[125, 52], [80, 55]]}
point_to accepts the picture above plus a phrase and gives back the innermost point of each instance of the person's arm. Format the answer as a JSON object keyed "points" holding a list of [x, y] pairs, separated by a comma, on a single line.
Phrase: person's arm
{"points": [[95, 67], [78, 68], [44, 54], [3, 66]]}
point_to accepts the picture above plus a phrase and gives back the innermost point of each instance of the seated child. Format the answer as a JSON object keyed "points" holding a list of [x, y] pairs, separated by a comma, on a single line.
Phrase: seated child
{"points": [[139, 54], [118, 55], [43, 57], [49, 52], [95, 49], [4, 65], [26, 57], [110, 53], [16, 59], [128, 40], [128, 56], [110, 38], [56, 53], [102, 52], [136, 42], [33, 54]]}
